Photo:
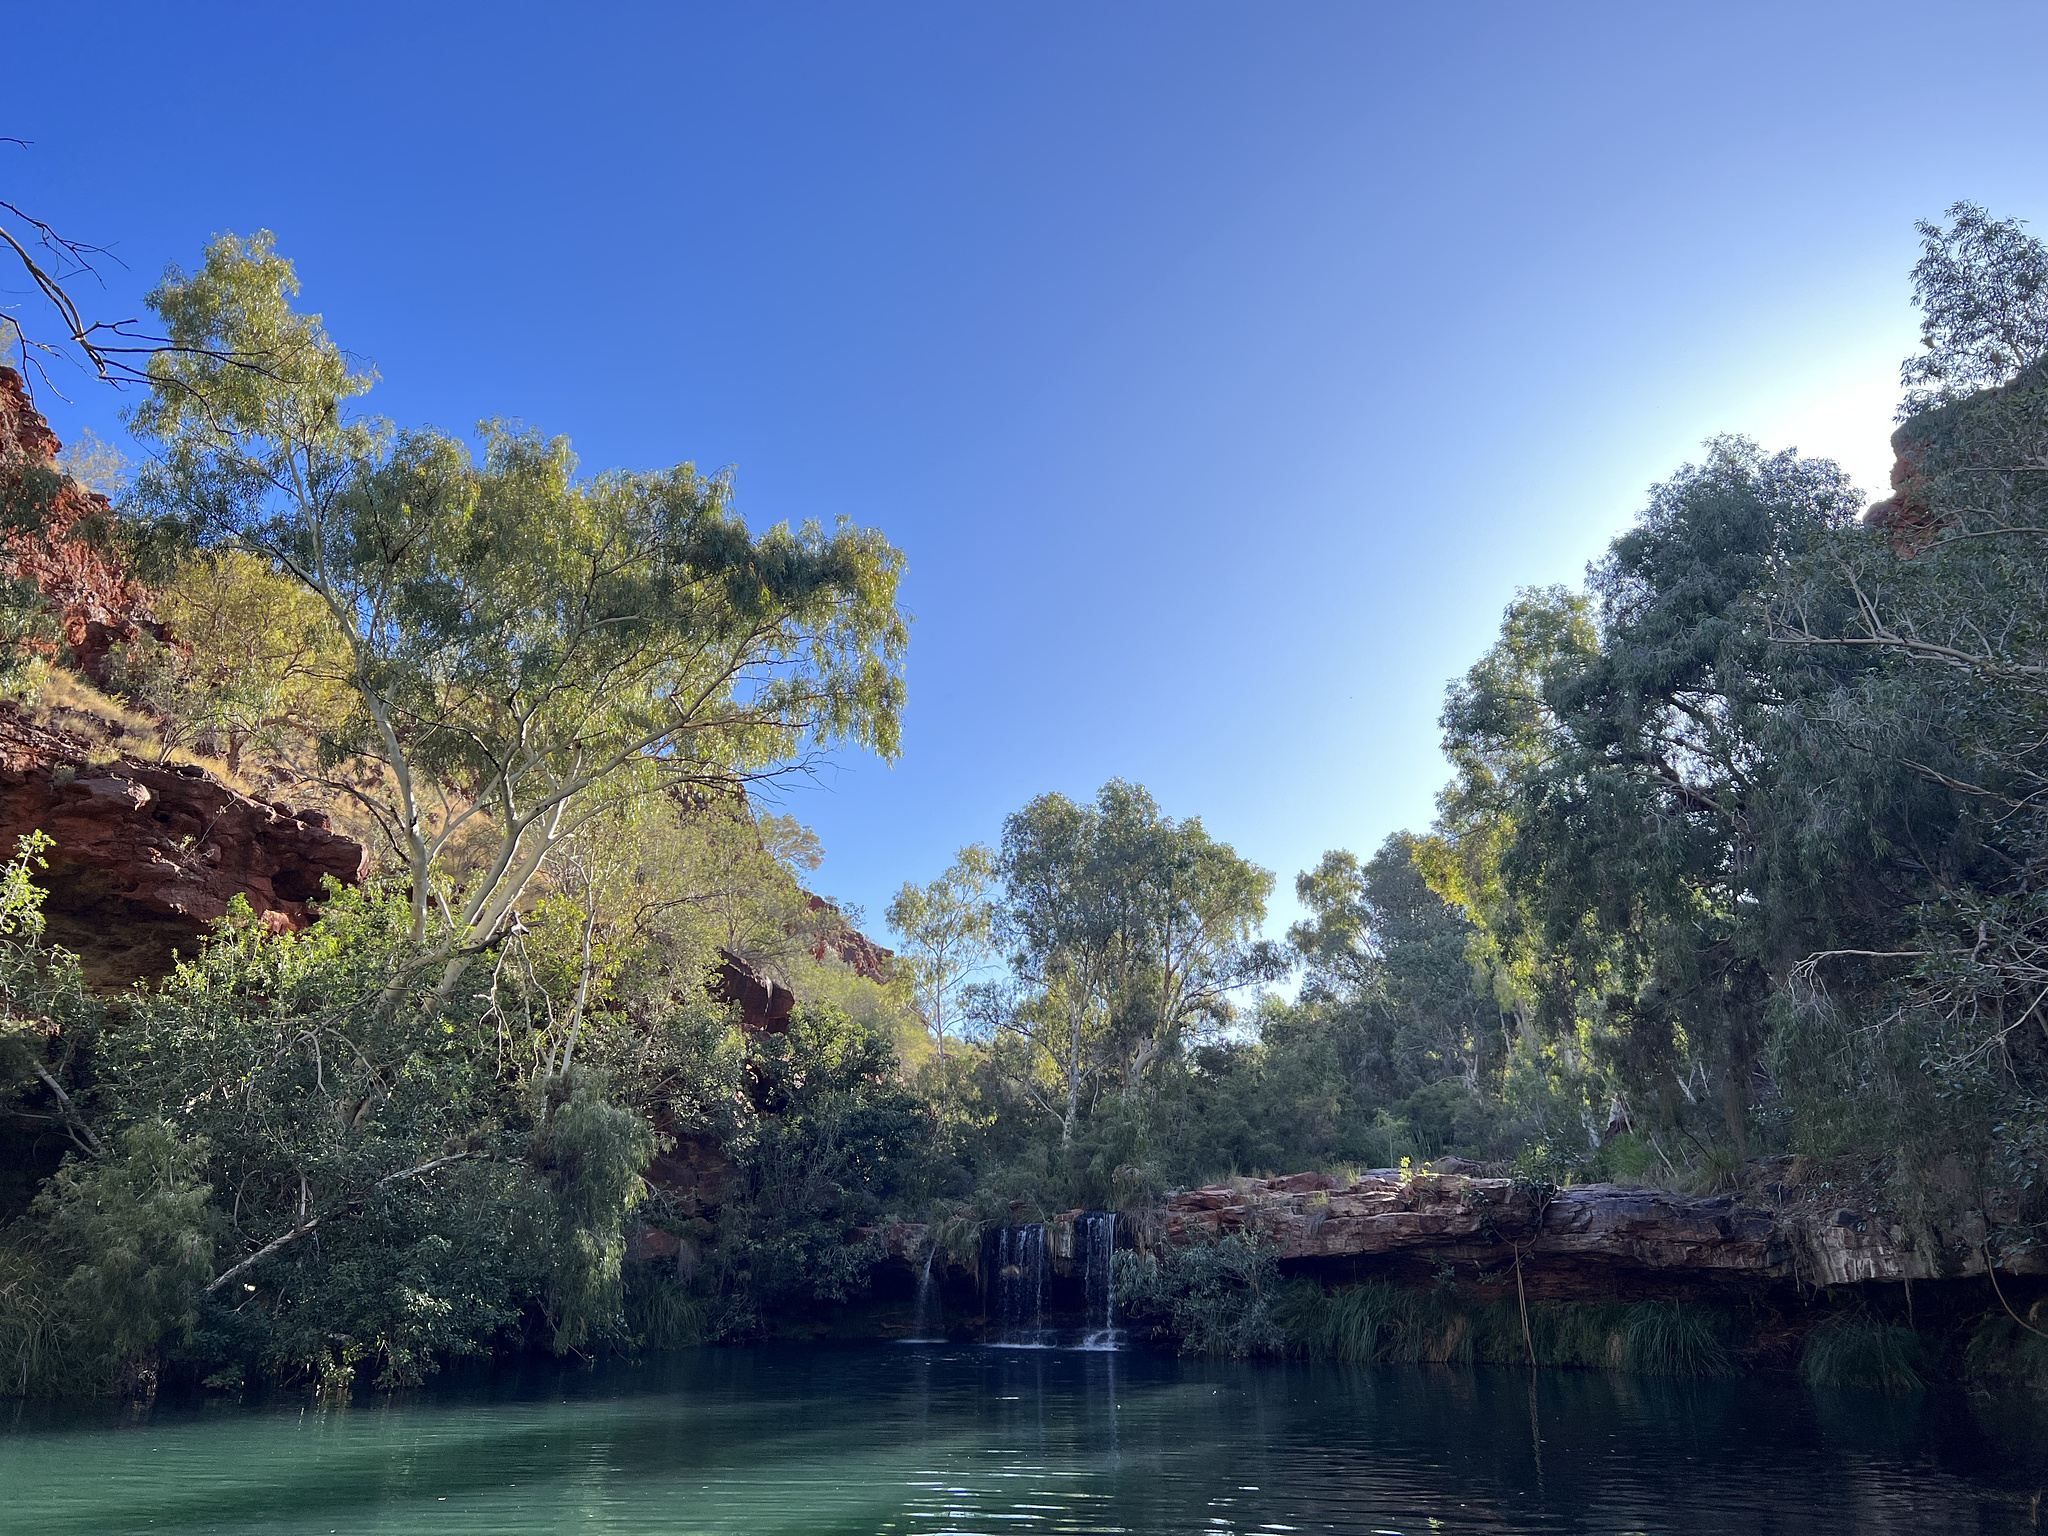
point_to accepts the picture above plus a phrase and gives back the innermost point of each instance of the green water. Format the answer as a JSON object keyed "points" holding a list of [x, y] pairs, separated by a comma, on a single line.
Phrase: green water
{"points": [[909, 1440]]}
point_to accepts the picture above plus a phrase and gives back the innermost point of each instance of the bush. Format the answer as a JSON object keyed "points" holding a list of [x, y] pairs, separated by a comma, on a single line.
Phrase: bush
{"points": [[1214, 1298], [837, 1136], [1855, 1349], [110, 1265], [2001, 1350]]}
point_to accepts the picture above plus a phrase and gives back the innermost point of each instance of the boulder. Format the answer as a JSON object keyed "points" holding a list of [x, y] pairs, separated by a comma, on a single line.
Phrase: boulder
{"points": [[765, 1004]]}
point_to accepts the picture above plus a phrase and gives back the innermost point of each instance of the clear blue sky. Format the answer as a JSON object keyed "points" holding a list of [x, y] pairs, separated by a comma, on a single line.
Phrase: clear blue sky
{"points": [[1222, 369]]}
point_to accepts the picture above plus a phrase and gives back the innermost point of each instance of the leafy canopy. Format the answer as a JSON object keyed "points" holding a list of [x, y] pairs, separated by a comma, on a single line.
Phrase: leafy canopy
{"points": [[524, 642]]}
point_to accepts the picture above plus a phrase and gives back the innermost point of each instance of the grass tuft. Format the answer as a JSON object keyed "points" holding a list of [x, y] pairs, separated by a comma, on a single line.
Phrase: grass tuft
{"points": [[660, 1312], [1669, 1338], [1376, 1323], [1855, 1349]]}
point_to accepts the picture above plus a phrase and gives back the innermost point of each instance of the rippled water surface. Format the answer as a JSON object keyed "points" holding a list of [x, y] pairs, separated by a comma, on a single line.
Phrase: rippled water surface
{"points": [[911, 1440]]}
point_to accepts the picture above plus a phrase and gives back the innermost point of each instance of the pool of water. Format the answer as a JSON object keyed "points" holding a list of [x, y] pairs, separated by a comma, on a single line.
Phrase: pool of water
{"points": [[905, 1440]]}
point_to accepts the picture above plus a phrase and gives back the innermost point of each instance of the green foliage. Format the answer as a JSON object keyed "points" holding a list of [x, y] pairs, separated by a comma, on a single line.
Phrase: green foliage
{"points": [[1388, 972], [1210, 1298], [1856, 1349], [661, 1310], [545, 642], [109, 1264], [1668, 1338], [835, 1138], [352, 1186], [948, 927], [1982, 288], [28, 620], [1740, 853], [2001, 1349], [258, 664], [592, 1153], [1130, 934], [1378, 1323], [1373, 1323]]}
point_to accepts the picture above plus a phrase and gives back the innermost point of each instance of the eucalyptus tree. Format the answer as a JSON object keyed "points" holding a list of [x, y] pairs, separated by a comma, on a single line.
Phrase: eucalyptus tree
{"points": [[1192, 908], [1942, 608], [1640, 789], [1390, 971], [1061, 926], [1499, 730], [1127, 931], [525, 643], [948, 931], [1982, 287]]}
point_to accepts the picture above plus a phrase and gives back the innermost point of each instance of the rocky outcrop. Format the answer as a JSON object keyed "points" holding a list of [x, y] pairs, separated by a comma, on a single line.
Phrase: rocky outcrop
{"points": [[146, 855], [1595, 1238], [1906, 517], [841, 941], [1953, 462], [764, 1003], [97, 602]]}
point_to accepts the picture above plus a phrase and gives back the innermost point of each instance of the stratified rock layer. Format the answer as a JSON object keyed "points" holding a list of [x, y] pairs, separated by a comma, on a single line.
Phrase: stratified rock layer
{"points": [[1568, 1242]]}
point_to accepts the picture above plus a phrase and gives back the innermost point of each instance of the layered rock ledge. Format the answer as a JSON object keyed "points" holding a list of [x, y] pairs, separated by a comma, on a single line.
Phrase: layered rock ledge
{"points": [[1567, 1242]]}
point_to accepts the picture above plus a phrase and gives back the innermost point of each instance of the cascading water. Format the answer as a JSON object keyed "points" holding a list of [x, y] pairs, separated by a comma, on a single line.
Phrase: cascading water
{"points": [[1017, 1276], [925, 1330], [1095, 1237]]}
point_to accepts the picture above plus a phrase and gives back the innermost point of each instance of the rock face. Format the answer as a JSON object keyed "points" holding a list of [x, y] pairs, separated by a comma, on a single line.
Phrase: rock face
{"points": [[98, 604], [1973, 437], [852, 948], [1597, 1238], [765, 1004], [148, 855]]}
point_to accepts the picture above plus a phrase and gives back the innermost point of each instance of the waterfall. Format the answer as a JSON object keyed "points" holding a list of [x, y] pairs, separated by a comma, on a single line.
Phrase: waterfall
{"points": [[924, 1330], [1095, 1237], [1019, 1286], [1019, 1273]]}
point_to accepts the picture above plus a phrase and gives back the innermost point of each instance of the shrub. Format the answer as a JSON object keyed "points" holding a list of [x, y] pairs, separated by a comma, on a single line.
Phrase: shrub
{"points": [[2001, 1350], [1212, 1298]]}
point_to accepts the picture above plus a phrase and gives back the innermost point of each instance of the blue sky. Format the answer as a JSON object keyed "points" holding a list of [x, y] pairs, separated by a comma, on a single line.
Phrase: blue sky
{"points": [[1222, 369]]}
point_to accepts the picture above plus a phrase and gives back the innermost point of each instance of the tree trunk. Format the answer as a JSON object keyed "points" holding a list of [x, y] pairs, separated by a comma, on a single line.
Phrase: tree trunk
{"points": [[1734, 1109], [1073, 1079]]}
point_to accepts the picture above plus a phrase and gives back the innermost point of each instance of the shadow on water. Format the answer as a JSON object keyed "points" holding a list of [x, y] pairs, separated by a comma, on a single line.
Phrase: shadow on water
{"points": [[963, 1439]]}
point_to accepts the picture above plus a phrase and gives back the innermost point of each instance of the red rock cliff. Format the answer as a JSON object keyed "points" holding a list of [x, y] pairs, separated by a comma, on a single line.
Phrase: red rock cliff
{"points": [[98, 602], [147, 855]]}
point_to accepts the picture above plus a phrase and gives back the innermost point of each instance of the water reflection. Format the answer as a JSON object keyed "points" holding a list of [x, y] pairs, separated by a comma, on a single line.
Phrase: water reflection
{"points": [[917, 1442]]}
